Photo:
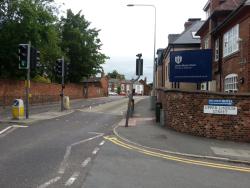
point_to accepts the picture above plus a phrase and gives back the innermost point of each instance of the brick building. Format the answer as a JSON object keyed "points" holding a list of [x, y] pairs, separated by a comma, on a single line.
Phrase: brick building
{"points": [[227, 32], [187, 40]]}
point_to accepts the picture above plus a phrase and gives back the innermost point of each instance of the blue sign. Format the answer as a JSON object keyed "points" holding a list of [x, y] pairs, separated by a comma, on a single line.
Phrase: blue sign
{"points": [[191, 66], [220, 102]]}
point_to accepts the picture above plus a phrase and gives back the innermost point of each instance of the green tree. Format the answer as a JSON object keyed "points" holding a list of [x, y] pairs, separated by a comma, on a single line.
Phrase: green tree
{"points": [[116, 75], [81, 46], [119, 90], [22, 21]]}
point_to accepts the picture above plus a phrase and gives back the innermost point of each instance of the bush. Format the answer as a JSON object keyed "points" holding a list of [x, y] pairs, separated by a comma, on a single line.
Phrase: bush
{"points": [[119, 90], [41, 79]]}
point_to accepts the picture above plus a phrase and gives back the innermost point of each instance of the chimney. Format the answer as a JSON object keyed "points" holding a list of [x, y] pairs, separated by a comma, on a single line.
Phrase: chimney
{"points": [[145, 80], [190, 22]]}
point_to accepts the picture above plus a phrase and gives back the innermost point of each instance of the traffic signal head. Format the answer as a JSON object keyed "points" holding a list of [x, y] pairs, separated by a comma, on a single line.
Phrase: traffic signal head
{"points": [[67, 67], [23, 56], [37, 57], [139, 67], [58, 67], [34, 58]]}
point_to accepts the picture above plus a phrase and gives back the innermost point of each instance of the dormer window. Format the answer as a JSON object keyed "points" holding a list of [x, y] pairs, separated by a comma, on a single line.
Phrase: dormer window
{"points": [[195, 36], [208, 12], [207, 9]]}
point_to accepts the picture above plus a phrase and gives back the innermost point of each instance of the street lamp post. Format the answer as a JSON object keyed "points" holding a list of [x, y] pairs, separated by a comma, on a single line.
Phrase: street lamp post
{"points": [[153, 96]]}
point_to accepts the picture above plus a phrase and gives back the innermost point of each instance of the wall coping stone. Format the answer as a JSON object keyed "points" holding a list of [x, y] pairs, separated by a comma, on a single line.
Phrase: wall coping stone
{"points": [[204, 92]]}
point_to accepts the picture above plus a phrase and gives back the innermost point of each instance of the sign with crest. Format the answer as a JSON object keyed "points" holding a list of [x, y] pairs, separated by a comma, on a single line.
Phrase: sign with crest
{"points": [[191, 66]]}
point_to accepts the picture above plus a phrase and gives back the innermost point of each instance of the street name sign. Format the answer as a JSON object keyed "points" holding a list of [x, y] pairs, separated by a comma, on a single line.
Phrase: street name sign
{"points": [[226, 110], [220, 102]]}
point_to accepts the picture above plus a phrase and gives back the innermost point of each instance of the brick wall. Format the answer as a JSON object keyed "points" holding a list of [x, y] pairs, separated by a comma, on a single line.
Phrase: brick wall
{"points": [[184, 113], [43, 93]]}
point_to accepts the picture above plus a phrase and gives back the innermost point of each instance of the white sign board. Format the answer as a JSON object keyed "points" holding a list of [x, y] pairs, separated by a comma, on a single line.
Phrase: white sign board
{"points": [[227, 110]]}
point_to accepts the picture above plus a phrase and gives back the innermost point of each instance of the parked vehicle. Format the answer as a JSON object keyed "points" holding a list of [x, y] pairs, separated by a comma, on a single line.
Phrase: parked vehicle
{"points": [[111, 93]]}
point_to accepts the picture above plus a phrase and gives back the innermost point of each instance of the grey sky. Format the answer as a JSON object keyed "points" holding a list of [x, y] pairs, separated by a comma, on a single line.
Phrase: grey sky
{"points": [[127, 31]]}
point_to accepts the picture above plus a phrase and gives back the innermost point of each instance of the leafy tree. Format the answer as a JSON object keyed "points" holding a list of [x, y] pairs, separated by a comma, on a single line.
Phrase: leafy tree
{"points": [[119, 89], [81, 46], [22, 21], [116, 75]]}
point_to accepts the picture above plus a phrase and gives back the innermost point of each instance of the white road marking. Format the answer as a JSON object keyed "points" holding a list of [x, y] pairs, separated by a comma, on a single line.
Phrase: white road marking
{"points": [[11, 129], [68, 151], [95, 151], [103, 142], [48, 183], [86, 162], [96, 133], [5, 130], [64, 162], [72, 179], [20, 126]]}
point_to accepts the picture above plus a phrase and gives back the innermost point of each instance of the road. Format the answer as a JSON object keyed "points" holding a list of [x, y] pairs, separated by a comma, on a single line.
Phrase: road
{"points": [[80, 150]]}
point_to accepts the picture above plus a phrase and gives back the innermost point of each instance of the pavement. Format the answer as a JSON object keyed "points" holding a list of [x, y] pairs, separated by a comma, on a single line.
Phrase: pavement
{"points": [[37, 117], [40, 112], [145, 132]]}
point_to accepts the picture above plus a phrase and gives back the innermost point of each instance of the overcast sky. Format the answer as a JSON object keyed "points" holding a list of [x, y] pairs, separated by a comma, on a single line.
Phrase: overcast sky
{"points": [[127, 31]]}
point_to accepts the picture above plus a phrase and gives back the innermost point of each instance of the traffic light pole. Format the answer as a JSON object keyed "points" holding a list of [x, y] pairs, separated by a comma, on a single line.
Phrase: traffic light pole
{"points": [[27, 85], [130, 101], [62, 90]]}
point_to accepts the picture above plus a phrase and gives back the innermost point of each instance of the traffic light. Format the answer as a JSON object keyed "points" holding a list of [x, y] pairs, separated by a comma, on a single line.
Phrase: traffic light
{"points": [[139, 67], [34, 58], [66, 70], [23, 56], [58, 67]]}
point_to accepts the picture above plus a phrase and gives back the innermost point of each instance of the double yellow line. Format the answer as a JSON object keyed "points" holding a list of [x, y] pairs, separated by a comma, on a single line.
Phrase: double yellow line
{"points": [[173, 158]]}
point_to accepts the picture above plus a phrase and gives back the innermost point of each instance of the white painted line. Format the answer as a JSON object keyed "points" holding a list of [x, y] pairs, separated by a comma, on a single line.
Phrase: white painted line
{"points": [[6, 129], [72, 179], [20, 126], [64, 162], [95, 151], [48, 183], [68, 151], [102, 143], [86, 140], [86, 162], [96, 133]]}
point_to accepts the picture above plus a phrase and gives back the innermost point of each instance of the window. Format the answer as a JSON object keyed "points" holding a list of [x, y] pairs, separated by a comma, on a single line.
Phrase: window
{"points": [[166, 73], [216, 50], [231, 82], [176, 85], [194, 35], [208, 12], [206, 43], [204, 86], [230, 41]]}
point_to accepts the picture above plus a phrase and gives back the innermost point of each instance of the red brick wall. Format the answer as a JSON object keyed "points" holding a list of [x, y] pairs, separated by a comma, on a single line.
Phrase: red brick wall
{"points": [[184, 113], [43, 93]]}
